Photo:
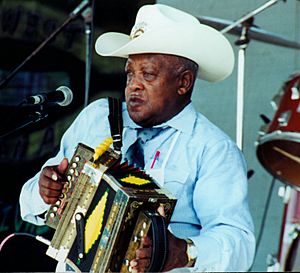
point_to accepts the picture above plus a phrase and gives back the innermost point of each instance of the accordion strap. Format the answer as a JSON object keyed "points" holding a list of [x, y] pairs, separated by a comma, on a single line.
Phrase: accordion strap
{"points": [[115, 122], [159, 242]]}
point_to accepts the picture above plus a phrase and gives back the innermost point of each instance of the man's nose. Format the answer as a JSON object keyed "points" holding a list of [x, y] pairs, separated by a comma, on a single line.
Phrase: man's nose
{"points": [[135, 83]]}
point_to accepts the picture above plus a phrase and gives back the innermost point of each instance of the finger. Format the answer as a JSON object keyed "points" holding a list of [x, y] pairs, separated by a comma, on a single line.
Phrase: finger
{"points": [[139, 265], [50, 192], [134, 270], [51, 173], [48, 195], [161, 210], [146, 242], [50, 183], [50, 200], [142, 253], [133, 263], [143, 264], [62, 167]]}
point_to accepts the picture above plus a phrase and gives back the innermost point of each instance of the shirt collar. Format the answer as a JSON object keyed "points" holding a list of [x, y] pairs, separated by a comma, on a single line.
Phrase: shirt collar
{"points": [[184, 121]]}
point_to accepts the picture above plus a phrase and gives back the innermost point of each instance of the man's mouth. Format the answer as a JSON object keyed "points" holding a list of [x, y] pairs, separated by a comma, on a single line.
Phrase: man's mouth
{"points": [[135, 101]]}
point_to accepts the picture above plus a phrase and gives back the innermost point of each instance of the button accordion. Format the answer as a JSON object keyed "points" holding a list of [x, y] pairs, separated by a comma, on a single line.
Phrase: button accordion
{"points": [[105, 210]]}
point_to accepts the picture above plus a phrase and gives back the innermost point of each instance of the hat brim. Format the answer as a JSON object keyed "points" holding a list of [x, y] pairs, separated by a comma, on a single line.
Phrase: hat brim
{"points": [[202, 44]]}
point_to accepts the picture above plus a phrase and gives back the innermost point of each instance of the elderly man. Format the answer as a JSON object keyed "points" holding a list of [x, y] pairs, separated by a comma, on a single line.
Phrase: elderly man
{"points": [[211, 228]]}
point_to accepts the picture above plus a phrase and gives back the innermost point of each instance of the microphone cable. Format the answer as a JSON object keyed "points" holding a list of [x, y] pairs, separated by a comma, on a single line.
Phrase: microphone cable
{"points": [[37, 237], [264, 218]]}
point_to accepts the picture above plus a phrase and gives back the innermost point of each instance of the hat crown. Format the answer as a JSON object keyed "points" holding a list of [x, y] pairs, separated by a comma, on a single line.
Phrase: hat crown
{"points": [[153, 17], [161, 29]]}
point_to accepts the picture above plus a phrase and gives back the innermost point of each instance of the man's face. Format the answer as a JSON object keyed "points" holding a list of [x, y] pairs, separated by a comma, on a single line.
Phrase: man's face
{"points": [[151, 89]]}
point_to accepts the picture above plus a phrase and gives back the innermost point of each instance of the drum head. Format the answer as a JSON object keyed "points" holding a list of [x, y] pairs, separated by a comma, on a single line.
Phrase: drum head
{"points": [[279, 153]]}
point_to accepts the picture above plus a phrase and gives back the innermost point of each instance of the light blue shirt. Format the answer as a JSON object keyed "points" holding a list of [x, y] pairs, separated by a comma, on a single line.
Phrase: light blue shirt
{"points": [[205, 171]]}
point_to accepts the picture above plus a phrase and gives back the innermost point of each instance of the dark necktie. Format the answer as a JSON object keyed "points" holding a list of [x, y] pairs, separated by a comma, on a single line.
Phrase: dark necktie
{"points": [[135, 153]]}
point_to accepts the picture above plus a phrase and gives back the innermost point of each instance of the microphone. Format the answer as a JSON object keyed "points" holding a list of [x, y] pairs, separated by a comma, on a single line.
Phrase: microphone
{"points": [[63, 96]]}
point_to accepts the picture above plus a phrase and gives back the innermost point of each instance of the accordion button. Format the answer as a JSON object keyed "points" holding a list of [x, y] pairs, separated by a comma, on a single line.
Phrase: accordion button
{"points": [[71, 171], [136, 239], [69, 177], [78, 216], [57, 202], [52, 214], [55, 208], [77, 158], [66, 187], [74, 165]]}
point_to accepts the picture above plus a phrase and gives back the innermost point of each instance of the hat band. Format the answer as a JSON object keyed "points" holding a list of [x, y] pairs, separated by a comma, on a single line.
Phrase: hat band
{"points": [[138, 29]]}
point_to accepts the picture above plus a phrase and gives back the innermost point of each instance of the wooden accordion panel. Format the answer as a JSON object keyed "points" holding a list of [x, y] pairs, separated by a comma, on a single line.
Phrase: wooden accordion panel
{"points": [[101, 217]]}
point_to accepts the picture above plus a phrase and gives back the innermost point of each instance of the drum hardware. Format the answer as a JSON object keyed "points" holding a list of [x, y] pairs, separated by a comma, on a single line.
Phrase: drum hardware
{"points": [[254, 32], [250, 173], [288, 259], [295, 93], [243, 27], [294, 231], [285, 193], [291, 236], [276, 100], [265, 119], [272, 263], [278, 147], [284, 118], [263, 129]]}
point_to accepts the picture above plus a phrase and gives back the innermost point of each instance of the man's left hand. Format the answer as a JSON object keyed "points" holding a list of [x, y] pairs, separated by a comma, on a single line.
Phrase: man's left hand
{"points": [[176, 254]]}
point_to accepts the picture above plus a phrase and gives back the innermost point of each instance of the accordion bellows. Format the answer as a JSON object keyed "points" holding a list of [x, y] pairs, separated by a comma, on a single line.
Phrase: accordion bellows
{"points": [[104, 211]]}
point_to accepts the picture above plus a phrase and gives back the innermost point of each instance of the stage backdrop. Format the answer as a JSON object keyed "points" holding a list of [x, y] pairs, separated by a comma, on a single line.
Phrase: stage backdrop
{"points": [[24, 26], [267, 67]]}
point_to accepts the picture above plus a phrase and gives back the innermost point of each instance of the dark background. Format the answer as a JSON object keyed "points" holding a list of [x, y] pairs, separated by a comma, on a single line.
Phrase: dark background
{"points": [[24, 25]]}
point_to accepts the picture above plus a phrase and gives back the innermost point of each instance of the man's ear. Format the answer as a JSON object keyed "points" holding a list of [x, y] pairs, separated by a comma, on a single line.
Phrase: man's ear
{"points": [[186, 82]]}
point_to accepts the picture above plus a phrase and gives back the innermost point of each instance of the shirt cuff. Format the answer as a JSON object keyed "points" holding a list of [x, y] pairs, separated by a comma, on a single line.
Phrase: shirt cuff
{"points": [[40, 205], [209, 254]]}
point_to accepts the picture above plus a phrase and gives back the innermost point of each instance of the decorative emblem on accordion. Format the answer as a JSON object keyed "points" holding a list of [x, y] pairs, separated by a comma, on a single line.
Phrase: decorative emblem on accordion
{"points": [[105, 209]]}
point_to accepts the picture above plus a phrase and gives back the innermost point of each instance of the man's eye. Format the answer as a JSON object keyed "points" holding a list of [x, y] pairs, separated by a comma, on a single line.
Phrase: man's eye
{"points": [[149, 76], [128, 74]]}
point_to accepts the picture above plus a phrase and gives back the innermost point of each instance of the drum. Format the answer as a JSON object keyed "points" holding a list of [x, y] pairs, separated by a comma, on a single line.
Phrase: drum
{"points": [[278, 147], [289, 251]]}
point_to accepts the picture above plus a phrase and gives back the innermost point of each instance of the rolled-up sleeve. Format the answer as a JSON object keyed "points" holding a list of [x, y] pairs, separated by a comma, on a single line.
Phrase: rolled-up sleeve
{"points": [[226, 241], [90, 127]]}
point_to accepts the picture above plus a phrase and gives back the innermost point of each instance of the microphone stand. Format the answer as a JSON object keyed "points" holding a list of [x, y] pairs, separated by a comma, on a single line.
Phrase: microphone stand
{"points": [[37, 116], [243, 42], [88, 18], [72, 16]]}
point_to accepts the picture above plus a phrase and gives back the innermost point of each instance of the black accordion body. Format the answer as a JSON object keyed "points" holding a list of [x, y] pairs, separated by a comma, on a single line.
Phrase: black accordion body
{"points": [[107, 207]]}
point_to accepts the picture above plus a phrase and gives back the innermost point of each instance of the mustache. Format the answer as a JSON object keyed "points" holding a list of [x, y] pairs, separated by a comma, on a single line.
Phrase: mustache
{"points": [[134, 95]]}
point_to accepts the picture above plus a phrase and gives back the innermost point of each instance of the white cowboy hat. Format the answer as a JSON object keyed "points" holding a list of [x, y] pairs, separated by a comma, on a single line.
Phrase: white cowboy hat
{"points": [[162, 29]]}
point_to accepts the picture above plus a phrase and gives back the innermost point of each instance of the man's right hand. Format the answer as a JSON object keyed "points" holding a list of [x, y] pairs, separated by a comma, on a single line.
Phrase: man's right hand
{"points": [[51, 182]]}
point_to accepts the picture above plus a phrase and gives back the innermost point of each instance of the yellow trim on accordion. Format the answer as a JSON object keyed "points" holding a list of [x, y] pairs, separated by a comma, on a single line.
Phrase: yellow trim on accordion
{"points": [[94, 223], [102, 147], [131, 179]]}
